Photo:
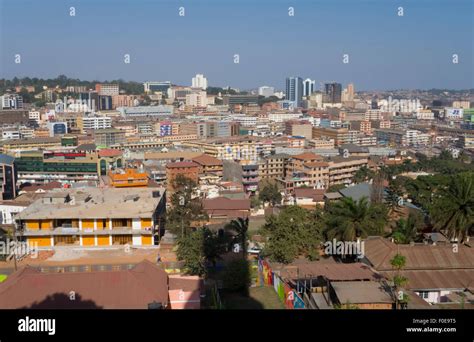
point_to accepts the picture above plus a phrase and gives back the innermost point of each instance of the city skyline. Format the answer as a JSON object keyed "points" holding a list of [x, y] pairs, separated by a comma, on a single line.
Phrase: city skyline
{"points": [[163, 46]]}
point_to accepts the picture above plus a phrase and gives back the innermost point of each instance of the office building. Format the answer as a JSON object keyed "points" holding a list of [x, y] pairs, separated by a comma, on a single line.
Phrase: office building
{"points": [[332, 93], [233, 100], [309, 86], [294, 91], [152, 87], [8, 177]]}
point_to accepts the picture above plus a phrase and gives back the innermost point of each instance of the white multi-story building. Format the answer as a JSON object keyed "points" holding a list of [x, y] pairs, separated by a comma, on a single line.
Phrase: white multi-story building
{"points": [[11, 135], [266, 91], [245, 120], [373, 115], [409, 137], [34, 116], [197, 99], [199, 81], [156, 111], [309, 86], [11, 101], [95, 122], [283, 116]]}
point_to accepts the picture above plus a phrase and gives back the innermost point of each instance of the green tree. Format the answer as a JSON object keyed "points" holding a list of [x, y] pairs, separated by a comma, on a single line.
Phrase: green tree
{"points": [[186, 207], [363, 174], [408, 230], [453, 210], [198, 248], [270, 194], [348, 220], [240, 227], [398, 262], [336, 187], [294, 232], [191, 252]]}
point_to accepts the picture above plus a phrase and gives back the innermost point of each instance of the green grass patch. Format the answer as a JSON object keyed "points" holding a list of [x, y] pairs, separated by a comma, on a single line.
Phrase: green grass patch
{"points": [[262, 297]]}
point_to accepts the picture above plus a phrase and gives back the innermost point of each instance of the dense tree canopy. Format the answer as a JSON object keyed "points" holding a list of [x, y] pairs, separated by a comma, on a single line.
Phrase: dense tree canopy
{"points": [[186, 207], [294, 232], [453, 207], [348, 219]]}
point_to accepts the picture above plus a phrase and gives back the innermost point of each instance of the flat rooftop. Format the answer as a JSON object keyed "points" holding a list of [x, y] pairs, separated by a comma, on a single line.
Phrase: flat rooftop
{"points": [[95, 203]]}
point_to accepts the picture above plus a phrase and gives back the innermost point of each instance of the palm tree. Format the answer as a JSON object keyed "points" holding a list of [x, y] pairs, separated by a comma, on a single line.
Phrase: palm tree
{"points": [[240, 226], [349, 219], [407, 230], [453, 210]]}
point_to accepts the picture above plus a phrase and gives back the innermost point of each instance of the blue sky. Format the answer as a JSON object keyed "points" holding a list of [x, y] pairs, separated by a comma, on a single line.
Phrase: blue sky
{"points": [[385, 51]]}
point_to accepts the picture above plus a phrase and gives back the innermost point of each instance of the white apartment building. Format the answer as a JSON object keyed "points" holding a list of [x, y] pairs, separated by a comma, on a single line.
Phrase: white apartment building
{"points": [[244, 120], [199, 81], [11, 135], [373, 115], [11, 101], [283, 116], [96, 122], [197, 99], [155, 111], [34, 116]]}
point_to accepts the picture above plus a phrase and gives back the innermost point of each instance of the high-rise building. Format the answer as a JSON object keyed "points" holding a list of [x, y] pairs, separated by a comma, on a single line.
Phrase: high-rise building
{"points": [[308, 87], [332, 93], [7, 177], [294, 90], [350, 92], [199, 81]]}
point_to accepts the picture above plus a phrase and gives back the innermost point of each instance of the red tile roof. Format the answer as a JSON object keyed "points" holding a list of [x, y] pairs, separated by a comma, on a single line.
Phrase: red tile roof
{"points": [[207, 160], [126, 289], [379, 251], [316, 194], [110, 152]]}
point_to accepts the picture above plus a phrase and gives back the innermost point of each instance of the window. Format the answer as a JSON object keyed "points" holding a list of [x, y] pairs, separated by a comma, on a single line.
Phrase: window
{"points": [[423, 294]]}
